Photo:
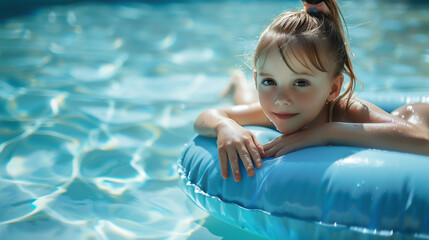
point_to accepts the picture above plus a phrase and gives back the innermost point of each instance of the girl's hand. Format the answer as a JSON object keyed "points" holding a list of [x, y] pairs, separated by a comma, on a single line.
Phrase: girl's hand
{"points": [[233, 142], [284, 144]]}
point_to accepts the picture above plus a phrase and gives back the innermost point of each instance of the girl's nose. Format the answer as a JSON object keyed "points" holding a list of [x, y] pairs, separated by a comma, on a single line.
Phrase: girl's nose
{"points": [[282, 100]]}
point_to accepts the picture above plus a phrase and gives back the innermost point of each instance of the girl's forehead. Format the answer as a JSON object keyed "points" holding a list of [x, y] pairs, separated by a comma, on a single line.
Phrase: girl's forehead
{"points": [[293, 59]]}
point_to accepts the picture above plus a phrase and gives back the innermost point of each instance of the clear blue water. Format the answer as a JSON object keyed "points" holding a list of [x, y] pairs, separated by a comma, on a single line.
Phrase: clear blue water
{"points": [[98, 99]]}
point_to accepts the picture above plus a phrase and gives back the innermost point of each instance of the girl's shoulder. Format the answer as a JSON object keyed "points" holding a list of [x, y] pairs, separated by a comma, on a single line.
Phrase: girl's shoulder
{"points": [[358, 111]]}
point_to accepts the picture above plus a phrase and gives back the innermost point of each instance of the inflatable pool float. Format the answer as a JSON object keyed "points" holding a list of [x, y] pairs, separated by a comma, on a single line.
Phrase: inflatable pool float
{"points": [[330, 192]]}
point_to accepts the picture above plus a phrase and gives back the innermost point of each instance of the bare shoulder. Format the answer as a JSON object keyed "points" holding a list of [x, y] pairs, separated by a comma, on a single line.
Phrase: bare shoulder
{"points": [[361, 111]]}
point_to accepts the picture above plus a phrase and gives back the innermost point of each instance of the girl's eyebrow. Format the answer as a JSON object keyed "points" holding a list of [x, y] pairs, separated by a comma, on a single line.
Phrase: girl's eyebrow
{"points": [[297, 73], [265, 74], [305, 73]]}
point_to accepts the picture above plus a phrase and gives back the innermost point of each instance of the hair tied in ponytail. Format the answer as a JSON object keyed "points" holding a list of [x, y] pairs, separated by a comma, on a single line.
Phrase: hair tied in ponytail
{"points": [[316, 8]]}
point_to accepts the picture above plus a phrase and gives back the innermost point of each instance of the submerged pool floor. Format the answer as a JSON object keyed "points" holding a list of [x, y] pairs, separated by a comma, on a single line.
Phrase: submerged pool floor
{"points": [[97, 101]]}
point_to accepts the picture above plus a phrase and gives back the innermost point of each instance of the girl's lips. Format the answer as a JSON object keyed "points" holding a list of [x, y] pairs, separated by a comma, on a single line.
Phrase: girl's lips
{"points": [[285, 115]]}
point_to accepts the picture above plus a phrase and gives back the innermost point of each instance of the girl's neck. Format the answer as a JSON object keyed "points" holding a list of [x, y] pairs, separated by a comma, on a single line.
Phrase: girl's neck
{"points": [[321, 118]]}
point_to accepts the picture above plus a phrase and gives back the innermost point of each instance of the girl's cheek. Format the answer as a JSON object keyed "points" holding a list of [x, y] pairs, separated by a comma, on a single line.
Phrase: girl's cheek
{"points": [[307, 98], [265, 97]]}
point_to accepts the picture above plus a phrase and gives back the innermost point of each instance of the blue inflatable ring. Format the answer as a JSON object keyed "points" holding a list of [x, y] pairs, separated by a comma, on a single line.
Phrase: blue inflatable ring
{"points": [[330, 192]]}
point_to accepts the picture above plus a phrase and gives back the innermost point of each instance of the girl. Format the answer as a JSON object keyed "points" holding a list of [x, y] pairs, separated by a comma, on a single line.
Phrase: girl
{"points": [[299, 63]]}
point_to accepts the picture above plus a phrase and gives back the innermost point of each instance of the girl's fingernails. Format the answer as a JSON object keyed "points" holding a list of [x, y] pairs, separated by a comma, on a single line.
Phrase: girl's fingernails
{"points": [[251, 172]]}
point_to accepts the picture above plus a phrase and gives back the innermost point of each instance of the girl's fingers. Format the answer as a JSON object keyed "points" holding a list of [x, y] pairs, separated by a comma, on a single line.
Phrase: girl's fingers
{"points": [[286, 149], [258, 145], [245, 158], [273, 151], [270, 145], [223, 159], [250, 151], [233, 162], [269, 153], [281, 152], [256, 156]]}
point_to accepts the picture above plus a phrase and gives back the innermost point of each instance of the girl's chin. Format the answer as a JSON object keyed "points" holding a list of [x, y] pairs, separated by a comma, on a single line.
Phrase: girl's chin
{"points": [[286, 130]]}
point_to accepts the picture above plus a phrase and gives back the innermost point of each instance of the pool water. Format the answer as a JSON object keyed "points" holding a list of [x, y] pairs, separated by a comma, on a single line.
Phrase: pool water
{"points": [[97, 100]]}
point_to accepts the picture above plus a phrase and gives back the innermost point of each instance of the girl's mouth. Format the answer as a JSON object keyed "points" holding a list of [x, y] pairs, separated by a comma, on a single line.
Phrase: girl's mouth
{"points": [[285, 115]]}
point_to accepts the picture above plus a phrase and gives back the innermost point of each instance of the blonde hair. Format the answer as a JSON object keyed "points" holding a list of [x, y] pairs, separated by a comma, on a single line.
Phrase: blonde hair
{"points": [[305, 34]]}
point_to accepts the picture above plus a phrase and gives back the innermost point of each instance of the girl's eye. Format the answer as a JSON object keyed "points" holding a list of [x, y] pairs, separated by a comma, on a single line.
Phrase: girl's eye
{"points": [[268, 82], [301, 83]]}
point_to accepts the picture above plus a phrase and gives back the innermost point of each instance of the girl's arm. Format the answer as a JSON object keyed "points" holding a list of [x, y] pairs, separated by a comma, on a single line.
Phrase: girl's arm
{"points": [[233, 140], [208, 122], [370, 126], [365, 125], [388, 136]]}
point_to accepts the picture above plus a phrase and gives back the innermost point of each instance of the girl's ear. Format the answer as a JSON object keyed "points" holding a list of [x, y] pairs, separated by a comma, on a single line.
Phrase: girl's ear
{"points": [[337, 83], [255, 74]]}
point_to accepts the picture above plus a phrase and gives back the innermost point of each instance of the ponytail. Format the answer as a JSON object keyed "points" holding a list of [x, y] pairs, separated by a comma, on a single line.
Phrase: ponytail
{"points": [[335, 15]]}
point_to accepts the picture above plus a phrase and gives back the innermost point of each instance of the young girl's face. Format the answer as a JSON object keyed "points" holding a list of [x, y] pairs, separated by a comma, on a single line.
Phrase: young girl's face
{"points": [[292, 100]]}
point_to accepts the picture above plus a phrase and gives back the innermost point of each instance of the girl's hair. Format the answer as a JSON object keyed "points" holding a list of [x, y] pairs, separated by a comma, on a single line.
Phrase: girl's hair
{"points": [[306, 35]]}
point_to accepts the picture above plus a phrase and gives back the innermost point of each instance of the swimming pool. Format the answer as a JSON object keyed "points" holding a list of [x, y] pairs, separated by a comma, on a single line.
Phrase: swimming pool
{"points": [[98, 99]]}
